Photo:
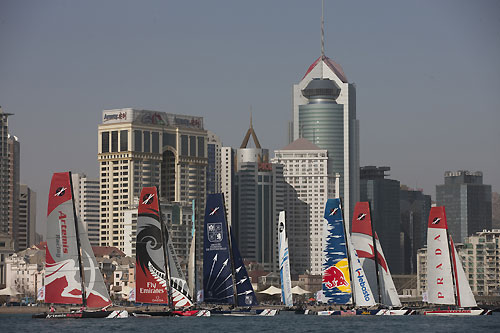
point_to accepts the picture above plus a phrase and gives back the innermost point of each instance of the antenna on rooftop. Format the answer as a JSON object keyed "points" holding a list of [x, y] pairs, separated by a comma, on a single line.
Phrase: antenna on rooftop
{"points": [[322, 35]]}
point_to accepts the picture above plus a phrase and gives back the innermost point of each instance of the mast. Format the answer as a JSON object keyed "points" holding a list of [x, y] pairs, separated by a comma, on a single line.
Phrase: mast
{"points": [[375, 255], [231, 259], [192, 273], [451, 248], [78, 245], [164, 237]]}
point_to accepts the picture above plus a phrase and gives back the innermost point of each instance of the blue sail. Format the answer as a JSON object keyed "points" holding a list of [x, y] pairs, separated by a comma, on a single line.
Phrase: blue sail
{"points": [[336, 278], [217, 270], [245, 293]]}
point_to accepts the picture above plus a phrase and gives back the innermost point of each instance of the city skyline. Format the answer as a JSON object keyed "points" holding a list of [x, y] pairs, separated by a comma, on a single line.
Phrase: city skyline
{"points": [[426, 76]]}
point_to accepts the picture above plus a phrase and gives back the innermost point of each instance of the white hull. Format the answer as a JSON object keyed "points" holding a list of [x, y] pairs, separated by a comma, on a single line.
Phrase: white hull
{"points": [[458, 313]]}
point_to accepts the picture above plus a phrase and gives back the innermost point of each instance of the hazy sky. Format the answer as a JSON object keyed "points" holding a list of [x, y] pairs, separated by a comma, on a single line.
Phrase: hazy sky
{"points": [[427, 76]]}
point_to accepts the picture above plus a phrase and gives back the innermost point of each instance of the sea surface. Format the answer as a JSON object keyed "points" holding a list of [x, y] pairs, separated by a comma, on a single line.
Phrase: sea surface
{"points": [[284, 322]]}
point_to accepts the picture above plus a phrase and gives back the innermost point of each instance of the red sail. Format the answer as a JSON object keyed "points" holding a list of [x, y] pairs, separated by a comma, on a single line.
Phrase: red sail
{"points": [[151, 281]]}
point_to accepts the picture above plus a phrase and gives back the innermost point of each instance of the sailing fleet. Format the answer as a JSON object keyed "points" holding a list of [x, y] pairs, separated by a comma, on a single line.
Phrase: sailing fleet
{"points": [[355, 272]]}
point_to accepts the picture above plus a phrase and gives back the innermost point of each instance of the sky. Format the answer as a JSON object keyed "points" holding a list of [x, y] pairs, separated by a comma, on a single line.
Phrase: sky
{"points": [[427, 75]]}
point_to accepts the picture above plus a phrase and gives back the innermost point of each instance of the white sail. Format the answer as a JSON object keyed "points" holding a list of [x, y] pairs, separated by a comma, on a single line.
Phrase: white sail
{"points": [[363, 296], [388, 291], [439, 276], [465, 297], [286, 281]]}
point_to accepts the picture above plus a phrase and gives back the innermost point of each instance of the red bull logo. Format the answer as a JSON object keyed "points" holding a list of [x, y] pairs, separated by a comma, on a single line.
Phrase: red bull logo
{"points": [[334, 278]]}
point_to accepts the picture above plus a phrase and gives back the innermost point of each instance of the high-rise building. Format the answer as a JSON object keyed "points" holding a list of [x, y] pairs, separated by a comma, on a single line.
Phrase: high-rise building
{"points": [[26, 235], [467, 202], [414, 207], [7, 194], [255, 198], [87, 202], [324, 112], [384, 197], [214, 163], [307, 188], [139, 148], [14, 183]]}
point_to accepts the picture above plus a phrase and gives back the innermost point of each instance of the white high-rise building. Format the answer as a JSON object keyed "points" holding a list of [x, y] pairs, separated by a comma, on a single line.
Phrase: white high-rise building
{"points": [[86, 194], [27, 217], [214, 145], [330, 123], [227, 179], [308, 186], [139, 148]]}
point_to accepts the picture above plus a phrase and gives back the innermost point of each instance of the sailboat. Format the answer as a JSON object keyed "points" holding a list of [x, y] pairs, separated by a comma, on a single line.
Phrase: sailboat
{"points": [[72, 275], [284, 261], [447, 283], [344, 280], [159, 279], [367, 244], [225, 278]]}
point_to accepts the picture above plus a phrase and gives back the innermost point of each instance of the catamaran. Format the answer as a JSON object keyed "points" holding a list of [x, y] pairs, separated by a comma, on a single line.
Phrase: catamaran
{"points": [[286, 280], [225, 278], [447, 283], [371, 256], [344, 280], [159, 278], [72, 275]]}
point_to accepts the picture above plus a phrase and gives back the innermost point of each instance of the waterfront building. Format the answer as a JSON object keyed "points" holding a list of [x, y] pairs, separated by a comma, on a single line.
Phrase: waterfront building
{"points": [[26, 235], [139, 148], [307, 187], [214, 146], [384, 197], [467, 201], [414, 209], [87, 200]]}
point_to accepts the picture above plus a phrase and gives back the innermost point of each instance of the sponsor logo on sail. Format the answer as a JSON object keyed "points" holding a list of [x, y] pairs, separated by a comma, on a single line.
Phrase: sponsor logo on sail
{"points": [[361, 217], [214, 211], [214, 232], [64, 235], [60, 191], [334, 278], [333, 211], [362, 283], [436, 220], [281, 227], [148, 199]]}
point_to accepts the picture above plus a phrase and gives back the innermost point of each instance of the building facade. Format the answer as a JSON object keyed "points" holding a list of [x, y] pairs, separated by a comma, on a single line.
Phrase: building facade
{"points": [[384, 197], [87, 203], [214, 146], [26, 235], [414, 208], [307, 188], [324, 112], [467, 202], [139, 148]]}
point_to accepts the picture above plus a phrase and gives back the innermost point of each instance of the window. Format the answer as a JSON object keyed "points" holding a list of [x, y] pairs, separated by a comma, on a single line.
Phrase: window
{"points": [[114, 141], [169, 139], [124, 140], [184, 145], [147, 141], [137, 140], [201, 146], [155, 137], [105, 142], [192, 145]]}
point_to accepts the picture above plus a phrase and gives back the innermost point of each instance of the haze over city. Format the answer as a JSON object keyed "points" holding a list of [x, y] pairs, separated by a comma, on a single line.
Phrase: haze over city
{"points": [[427, 77]]}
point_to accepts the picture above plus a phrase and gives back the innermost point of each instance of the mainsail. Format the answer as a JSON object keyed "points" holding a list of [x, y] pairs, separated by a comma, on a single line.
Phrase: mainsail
{"points": [[284, 261], [336, 277], [439, 274], [363, 238], [69, 252], [157, 268], [465, 297], [363, 296], [225, 278]]}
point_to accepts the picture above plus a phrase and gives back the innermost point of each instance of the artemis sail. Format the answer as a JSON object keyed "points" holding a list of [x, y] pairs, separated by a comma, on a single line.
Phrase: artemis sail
{"points": [[284, 261]]}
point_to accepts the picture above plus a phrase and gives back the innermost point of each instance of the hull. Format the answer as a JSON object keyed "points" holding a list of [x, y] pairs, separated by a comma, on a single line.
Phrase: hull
{"points": [[82, 315], [377, 312], [245, 312], [459, 312], [180, 313]]}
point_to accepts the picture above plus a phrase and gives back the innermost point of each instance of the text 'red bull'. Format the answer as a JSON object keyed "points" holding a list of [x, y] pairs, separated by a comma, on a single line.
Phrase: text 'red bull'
{"points": [[334, 277]]}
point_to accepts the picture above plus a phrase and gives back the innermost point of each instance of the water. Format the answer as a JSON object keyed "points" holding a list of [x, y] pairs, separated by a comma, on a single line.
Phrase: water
{"points": [[284, 322]]}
